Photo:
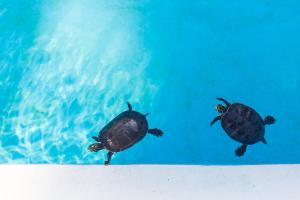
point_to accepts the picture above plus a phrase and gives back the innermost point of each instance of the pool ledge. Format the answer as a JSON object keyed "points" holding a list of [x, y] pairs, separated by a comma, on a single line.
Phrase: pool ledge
{"points": [[55, 182]]}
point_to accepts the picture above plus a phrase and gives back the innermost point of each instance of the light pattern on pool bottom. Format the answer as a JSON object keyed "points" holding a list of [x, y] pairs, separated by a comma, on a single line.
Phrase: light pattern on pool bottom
{"points": [[68, 68]]}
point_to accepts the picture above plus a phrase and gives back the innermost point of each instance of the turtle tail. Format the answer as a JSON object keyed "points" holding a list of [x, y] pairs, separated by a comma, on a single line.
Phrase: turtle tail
{"points": [[269, 120], [264, 141]]}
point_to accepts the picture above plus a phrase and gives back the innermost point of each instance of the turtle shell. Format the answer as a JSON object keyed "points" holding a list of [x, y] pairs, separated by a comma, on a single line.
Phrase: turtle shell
{"points": [[243, 124], [123, 131]]}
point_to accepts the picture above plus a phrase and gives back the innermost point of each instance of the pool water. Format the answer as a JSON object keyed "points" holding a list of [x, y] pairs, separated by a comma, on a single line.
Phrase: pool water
{"points": [[68, 67]]}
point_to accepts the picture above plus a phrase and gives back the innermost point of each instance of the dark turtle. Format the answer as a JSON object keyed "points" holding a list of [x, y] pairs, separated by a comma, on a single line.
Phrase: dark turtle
{"points": [[242, 124], [122, 132]]}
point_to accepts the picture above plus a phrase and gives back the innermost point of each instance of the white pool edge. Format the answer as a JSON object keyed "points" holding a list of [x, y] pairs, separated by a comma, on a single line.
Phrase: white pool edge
{"points": [[74, 182]]}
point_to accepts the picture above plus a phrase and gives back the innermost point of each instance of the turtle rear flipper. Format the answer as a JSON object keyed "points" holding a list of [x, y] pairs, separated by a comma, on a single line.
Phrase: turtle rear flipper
{"points": [[129, 106], [241, 150], [155, 131], [269, 120]]}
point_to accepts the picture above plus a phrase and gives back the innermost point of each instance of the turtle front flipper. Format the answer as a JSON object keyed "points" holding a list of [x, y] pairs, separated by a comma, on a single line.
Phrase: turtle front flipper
{"points": [[241, 150], [109, 155], [155, 131], [223, 100], [215, 120], [96, 139]]}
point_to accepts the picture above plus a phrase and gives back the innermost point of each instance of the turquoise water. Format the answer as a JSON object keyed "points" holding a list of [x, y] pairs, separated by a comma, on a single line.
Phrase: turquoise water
{"points": [[68, 67]]}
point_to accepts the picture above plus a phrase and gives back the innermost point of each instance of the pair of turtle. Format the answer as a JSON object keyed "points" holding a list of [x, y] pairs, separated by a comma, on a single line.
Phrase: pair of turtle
{"points": [[239, 121]]}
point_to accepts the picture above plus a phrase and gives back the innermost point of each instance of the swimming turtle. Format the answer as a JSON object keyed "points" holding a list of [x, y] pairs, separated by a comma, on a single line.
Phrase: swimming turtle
{"points": [[242, 124], [125, 130]]}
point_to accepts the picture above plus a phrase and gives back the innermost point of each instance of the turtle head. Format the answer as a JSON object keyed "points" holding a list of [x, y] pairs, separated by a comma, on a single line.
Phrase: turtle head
{"points": [[220, 108], [95, 147]]}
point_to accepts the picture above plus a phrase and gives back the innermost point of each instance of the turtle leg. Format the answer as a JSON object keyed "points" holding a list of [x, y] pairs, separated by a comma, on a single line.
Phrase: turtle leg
{"points": [[215, 119], [241, 150], [155, 131], [109, 155], [96, 139], [223, 100], [269, 120], [96, 147], [129, 106]]}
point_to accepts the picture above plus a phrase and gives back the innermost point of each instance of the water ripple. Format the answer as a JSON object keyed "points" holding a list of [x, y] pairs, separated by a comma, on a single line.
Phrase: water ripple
{"points": [[86, 62]]}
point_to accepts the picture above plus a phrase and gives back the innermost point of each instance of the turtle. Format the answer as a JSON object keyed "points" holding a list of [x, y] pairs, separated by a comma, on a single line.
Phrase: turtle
{"points": [[121, 133], [243, 124]]}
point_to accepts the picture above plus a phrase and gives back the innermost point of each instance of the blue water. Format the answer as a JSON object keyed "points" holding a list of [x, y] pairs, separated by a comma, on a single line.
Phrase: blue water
{"points": [[68, 67]]}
